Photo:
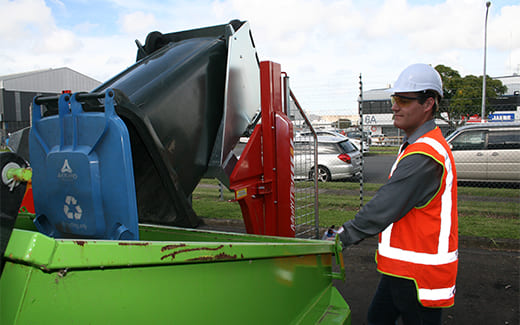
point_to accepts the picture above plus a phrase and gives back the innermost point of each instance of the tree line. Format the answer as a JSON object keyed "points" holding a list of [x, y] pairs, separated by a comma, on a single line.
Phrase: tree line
{"points": [[463, 95]]}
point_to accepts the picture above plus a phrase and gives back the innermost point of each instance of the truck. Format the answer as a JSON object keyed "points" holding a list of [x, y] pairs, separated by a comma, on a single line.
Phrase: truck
{"points": [[98, 226]]}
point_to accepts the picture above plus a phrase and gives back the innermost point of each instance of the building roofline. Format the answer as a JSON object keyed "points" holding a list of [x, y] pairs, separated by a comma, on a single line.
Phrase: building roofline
{"points": [[35, 72], [514, 75]]}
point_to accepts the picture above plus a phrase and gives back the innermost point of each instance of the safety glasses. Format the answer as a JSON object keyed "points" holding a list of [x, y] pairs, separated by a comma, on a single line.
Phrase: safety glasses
{"points": [[402, 101]]}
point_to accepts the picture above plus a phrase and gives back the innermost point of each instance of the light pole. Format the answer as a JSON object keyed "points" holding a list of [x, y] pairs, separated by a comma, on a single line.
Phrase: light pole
{"points": [[482, 115]]}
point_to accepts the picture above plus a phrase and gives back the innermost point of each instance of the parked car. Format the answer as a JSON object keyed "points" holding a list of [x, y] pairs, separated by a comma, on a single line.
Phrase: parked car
{"points": [[354, 140], [488, 152], [338, 158], [355, 137], [378, 140]]}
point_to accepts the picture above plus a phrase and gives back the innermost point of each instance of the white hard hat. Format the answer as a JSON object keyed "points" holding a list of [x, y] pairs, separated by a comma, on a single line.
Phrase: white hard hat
{"points": [[418, 77]]}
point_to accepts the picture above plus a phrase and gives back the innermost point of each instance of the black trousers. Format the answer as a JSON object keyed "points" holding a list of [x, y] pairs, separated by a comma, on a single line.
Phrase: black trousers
{"points": [[398, 297]]}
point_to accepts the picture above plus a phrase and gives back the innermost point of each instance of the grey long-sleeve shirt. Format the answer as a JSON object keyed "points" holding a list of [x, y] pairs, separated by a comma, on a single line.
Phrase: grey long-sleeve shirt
{"points": [[413, 183]]}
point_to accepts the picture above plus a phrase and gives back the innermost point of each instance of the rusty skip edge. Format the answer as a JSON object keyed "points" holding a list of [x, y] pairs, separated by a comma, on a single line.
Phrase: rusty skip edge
{"points": [[215, 257], [204, 251], [54, 254], [178, 249], [156, 253]]}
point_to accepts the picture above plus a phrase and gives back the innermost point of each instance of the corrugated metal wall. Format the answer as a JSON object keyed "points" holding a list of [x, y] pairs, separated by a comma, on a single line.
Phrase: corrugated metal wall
{"points": [[50, 81], [18, 90]]}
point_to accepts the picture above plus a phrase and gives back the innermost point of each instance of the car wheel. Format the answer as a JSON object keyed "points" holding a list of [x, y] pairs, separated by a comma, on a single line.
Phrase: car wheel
{"points": [[323, 174]]}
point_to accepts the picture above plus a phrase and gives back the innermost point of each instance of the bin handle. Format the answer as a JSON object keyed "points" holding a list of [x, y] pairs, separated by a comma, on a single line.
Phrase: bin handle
{"points": [[338, 252], [77, 109], [63, 110]]}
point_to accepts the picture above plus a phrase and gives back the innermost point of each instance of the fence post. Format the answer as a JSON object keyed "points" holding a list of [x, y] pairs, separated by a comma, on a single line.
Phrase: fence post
{"points": [[360, 106]]}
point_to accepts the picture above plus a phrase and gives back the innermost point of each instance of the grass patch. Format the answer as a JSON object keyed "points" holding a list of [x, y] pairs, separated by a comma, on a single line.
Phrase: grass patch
{"points": [[489, 192], [208, 203], [348, 186], [340, 202], [491, 210], [393, 150], [335, 217], [483, 226]]}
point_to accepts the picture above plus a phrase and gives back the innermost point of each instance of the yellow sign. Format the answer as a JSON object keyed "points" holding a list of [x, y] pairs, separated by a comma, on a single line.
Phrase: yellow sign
{"points": [[241, 194]]}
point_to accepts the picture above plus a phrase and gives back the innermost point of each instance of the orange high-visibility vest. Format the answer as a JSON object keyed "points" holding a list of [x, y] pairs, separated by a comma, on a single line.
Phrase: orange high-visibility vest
{"points": [[423, 245]]}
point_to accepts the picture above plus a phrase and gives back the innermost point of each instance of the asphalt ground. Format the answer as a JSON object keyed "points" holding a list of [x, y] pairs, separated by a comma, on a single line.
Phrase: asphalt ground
{"points": [[488, 279]]}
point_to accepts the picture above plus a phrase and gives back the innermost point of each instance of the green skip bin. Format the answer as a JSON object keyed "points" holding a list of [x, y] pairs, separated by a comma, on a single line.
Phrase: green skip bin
{"points": [[171, 276]]}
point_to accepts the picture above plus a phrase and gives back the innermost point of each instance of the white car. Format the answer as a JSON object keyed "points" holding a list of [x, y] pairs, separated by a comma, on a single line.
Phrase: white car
{"points": [[378, 140], [338, 158], [488, 152]]}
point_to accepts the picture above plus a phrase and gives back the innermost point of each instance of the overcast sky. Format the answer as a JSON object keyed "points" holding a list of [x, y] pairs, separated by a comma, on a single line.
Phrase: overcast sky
{"points": [[324, 45]]}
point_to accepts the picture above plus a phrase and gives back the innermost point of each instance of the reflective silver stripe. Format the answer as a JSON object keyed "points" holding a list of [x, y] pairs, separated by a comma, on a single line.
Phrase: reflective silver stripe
{"points": [[436, 294], [394, 166], [446, 207], [415, 257], [385, 237], [443, 256]]}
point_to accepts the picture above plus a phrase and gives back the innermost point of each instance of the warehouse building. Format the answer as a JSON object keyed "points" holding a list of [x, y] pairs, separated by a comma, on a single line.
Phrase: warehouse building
{"points": [[18, 90]]}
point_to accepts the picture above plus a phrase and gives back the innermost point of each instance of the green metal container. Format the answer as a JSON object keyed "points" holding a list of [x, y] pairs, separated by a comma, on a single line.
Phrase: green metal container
{"points": [[171, 276]]}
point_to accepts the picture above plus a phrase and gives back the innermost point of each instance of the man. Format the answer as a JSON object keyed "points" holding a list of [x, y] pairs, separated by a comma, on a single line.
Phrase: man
{"points": [[415, 213]]}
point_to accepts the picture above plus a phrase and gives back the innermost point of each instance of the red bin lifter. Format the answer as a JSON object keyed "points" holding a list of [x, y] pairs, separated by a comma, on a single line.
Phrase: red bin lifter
{"points": [[263, 178]]}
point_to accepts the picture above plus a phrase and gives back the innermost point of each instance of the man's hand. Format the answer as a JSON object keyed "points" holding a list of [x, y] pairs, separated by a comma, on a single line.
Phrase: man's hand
{"points": [[340, 230]]}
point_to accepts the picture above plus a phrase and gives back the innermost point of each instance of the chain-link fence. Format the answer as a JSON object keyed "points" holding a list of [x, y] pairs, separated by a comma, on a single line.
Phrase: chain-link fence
{"points": [[487, 159], [306, 192], [305, 179]]}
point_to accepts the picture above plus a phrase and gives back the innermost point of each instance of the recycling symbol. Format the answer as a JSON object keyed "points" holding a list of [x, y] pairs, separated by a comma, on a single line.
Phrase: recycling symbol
{"points": [[71, 208]]}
